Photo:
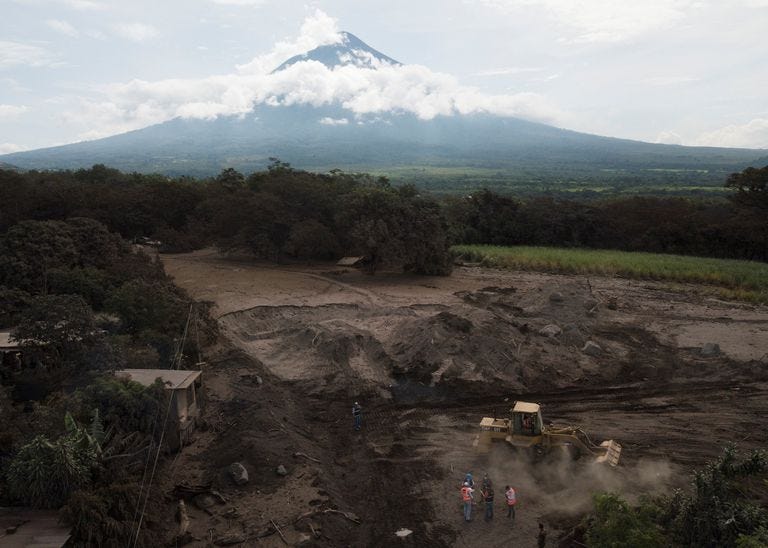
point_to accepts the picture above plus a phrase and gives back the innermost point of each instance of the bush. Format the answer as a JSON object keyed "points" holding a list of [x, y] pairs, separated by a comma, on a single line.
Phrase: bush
{"points": [[615, 524], [107, 516], [124, 405], [43, 474]]}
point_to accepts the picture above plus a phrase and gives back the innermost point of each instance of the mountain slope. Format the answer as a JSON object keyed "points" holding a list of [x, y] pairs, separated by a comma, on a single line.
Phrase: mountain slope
{"points": [[481, 149], [350, 51]]}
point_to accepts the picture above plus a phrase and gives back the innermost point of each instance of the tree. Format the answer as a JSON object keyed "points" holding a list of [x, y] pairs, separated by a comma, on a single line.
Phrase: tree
{"points": [[123, 405], [58, 324], [144, 305], [12, 303], [717, 512], [615, 524], [44, 473], [311, 239], [30, 249], [751, 186]]}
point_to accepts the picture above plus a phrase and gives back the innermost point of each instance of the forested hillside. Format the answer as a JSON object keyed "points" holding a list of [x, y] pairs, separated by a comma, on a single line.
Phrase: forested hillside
{"points": [[284, 214]]}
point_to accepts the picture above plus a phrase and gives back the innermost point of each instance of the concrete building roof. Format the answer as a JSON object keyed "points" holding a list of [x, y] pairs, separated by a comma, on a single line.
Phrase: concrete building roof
{"points": [[5, 341], [174, 379], [31, 529], [349, 261]]}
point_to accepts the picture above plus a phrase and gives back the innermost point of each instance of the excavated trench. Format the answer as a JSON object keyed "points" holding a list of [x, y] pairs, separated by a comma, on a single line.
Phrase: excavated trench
{"points": [[427, 362]]}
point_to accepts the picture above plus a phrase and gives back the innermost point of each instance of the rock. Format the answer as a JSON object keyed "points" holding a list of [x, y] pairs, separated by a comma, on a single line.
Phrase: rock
{"points": [[550, 330], [402, 533], [592, 349], [710, 349], [204, 501], [303, 539], [259, 380], [572, 335], [238, 473], [228, 539], [556, 297], [281, 471]]}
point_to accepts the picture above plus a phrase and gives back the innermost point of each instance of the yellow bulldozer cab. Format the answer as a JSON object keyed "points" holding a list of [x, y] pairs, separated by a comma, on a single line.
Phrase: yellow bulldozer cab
{"points": [[526, 419]]}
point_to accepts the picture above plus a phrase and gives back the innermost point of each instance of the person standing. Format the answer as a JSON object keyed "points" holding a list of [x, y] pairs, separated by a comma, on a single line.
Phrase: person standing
{"points": [[468, 479], [357, 414], [511, 496], [466, 498], [542, 538], [487, 493]]}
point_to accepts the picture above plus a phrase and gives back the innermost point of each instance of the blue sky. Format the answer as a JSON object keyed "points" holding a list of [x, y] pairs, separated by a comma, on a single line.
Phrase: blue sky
{"points": [[678, 71]]}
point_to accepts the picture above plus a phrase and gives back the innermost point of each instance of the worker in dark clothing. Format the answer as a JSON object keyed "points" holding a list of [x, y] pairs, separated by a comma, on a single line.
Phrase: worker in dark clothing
{"points": [[357, 414], [487, 493], [542, 538]]}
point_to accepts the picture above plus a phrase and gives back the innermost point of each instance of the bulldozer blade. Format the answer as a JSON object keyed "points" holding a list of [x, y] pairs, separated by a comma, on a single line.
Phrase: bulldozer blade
{"points": [[612, 453]]}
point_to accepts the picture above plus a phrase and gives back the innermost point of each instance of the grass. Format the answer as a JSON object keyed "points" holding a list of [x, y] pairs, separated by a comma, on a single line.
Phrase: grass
{"points": [[742, 280]]}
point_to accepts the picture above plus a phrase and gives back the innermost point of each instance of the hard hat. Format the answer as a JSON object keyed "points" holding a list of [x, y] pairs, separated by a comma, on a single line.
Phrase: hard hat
{"points": [[357, 403], [466, 484]]}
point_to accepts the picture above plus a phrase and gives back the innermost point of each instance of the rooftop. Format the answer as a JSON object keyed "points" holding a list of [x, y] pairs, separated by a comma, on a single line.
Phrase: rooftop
{"points": [[6, 342], [174, 379], [349, 261], [34, 529], [524, 407]]}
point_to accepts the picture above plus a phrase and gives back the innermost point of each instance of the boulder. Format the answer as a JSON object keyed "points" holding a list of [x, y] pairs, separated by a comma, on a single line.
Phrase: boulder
{"points": [[550, 330], [281, 471], [238, 473], [556, 297], [592, 349], [204, 501], [710, 349], [572, 335]]}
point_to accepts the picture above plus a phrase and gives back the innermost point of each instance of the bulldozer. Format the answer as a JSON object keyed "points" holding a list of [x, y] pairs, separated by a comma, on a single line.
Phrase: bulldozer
{"points": [[526, 431]]}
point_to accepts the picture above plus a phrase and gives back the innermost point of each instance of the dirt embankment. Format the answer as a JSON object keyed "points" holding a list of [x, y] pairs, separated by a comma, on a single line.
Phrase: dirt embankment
{"points": [[427, 358]]}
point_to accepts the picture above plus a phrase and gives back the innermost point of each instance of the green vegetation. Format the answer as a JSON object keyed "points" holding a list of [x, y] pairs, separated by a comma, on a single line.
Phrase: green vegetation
{"points": [[743, 279], [723, 509]]}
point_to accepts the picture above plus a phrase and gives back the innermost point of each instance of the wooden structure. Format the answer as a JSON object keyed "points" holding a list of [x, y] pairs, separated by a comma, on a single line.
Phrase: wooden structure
{"points": [[182, 387]]}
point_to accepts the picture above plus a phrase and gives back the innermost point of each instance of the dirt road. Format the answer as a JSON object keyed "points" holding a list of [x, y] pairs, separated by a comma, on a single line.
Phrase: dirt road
{"points": [[427, 358]]}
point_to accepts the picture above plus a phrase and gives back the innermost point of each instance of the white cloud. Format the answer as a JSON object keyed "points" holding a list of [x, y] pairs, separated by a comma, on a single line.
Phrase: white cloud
{"points": [[361, 90], [669, 138], [508, 71], [239, 2], [328, 121], [63, 27], [137, 32], [603, 20], [7, 111], [662, 81], [82, 5], [95, 34], [753, 134], [7, 148], [15, 54], [317, 30]]}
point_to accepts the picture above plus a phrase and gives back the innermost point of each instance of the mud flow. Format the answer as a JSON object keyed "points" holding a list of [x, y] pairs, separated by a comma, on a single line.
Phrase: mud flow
{"points": [[427, 358]]}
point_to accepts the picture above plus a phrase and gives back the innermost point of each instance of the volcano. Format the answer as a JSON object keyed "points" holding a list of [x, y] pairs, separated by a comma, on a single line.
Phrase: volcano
{"points": [[331, 135]]}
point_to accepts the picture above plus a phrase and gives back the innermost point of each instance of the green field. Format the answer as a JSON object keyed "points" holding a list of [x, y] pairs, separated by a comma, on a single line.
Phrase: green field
{"points": [[745, 280]]}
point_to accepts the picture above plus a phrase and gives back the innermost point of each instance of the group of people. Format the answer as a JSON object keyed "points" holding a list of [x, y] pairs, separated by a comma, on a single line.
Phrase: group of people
{"points": [[487, 496]]}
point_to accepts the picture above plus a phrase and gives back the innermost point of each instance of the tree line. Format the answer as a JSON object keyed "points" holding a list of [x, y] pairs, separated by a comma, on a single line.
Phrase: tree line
{"points": [[288, 214]]}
